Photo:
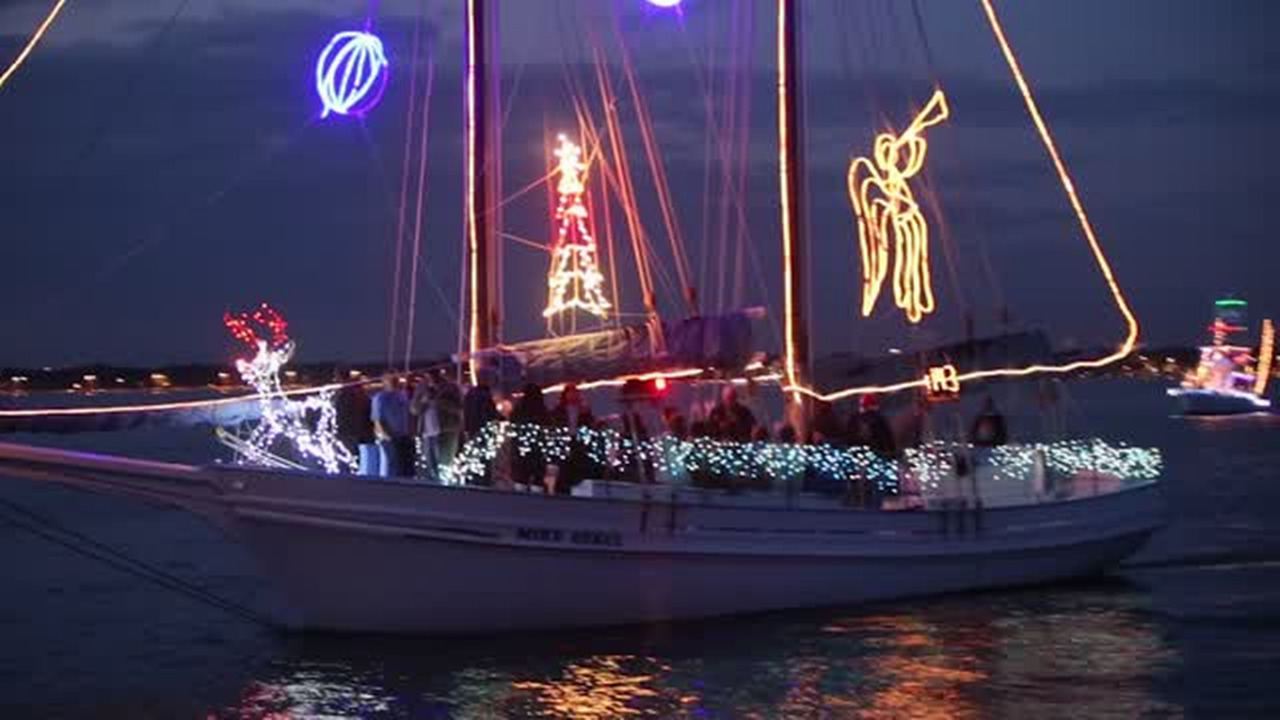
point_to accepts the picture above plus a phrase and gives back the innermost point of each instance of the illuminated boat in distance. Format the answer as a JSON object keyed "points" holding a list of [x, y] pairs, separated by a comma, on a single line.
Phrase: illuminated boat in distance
{"points": [[1228, 379]]}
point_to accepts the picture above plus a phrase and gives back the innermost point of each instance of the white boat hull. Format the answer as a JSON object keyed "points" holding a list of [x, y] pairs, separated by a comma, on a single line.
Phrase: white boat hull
{"points": [[1216, 402], [353, 554]]}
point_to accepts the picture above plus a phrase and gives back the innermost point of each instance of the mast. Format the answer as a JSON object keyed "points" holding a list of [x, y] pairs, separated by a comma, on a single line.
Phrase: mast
{"points": [[791, 175], [480, 178]]}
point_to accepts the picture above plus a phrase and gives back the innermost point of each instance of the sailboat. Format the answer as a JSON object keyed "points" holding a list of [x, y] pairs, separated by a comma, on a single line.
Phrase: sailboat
{"points": [[359, 554], [1228, 379]]}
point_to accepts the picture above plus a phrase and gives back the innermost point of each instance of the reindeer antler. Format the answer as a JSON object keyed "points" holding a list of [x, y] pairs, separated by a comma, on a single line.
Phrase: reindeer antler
{"points": [[244, 326]]}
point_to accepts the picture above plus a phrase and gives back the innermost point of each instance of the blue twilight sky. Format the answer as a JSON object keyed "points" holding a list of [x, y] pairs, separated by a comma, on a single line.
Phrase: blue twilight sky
{"points": [[161, 162]]}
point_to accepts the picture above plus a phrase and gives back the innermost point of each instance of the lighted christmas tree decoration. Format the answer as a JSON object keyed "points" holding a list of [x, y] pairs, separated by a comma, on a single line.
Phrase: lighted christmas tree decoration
{"points": [[308, 425], [887, 213], [351, 74], [575, 281]]}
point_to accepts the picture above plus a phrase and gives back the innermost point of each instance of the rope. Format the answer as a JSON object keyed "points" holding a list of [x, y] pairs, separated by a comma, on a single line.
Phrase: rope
{"points": [[417, 221], [402, 212], [85, 546]]}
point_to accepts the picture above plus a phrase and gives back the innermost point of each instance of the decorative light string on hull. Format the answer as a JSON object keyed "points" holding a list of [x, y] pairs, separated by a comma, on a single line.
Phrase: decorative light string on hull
{"points": [[929, 465], [308, 425], [352, 74], [1086, 228], [575, 281], [887, 210]]}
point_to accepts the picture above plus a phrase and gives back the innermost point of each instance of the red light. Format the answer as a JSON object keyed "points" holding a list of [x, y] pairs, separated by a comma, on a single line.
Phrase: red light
{"points": [[660, 384]]}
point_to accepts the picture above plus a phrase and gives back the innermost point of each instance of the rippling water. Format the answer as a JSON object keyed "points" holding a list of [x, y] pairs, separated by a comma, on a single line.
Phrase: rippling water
{"points": [[1191, 629]]}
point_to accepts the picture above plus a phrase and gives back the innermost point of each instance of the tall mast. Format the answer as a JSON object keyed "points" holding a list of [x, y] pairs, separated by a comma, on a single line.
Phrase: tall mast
{"points": [[480, 178], [791, 175]]}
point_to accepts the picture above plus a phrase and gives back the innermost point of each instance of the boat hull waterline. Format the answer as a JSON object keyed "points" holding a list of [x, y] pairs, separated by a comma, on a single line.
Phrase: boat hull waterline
{"points": [[361, 555], [1194, 401]]}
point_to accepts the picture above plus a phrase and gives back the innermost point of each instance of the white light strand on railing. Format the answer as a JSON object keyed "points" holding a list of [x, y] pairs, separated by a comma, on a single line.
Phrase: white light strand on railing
{"points": [[611, 451]]}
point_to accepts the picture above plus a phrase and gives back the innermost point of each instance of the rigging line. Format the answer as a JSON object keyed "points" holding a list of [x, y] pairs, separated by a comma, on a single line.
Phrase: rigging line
{"points": [[980, 238], [524, 241], [622, 185], [743, 237], [643, 247], [645, 252], [725, 141], [158, 230], [924, 37], [536, 184], [422, 194], [704, 75], [54, 532], [124, 99], [32, 42], [402, 212], [1068, 186], [605, 204], [382, 176], [656, 167]]}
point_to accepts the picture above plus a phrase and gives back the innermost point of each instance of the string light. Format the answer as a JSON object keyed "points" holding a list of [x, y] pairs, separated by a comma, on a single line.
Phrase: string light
{"points": [[575, 280], [352, 73], [32, 42], [791, 321], [1086, 227], [1266, 350], [147, 408], [886, 208], [471, 174], [929, 464], [309, 424]]}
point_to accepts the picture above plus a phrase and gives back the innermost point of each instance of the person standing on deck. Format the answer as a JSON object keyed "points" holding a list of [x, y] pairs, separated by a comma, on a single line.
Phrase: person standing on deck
{"points": [[423, 408], [869, 429], [989, 429], [731, 420], [573, 414], [478, 410], [390, 415], [354, 423], [449, 414], [530, 413]]}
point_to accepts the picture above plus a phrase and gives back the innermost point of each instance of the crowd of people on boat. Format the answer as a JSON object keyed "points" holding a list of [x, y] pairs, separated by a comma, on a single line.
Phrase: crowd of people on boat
{"points": [[414, 426]]}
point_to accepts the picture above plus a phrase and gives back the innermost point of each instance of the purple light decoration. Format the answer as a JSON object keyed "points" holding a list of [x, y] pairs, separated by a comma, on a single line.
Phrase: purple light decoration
{"points": [[351, 74], [665, 3]]}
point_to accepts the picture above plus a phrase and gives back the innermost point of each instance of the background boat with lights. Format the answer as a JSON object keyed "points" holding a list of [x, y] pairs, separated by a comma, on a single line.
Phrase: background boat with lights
{"points": [[1229, 379], [360, 554]]}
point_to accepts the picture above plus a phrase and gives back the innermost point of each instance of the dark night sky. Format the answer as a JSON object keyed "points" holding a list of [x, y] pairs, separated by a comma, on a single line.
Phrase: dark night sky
{"points": [[155, 175]]}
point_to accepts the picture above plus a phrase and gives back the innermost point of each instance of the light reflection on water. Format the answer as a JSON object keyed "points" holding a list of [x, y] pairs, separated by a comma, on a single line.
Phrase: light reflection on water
{"points": [[1087, 651]]}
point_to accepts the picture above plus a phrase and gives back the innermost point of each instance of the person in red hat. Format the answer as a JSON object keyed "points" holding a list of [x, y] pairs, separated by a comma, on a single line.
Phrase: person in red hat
{"points": [[868, 428]]}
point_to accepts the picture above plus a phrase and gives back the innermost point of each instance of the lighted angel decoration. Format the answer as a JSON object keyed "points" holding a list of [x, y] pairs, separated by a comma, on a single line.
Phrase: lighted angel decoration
{"points": [[887, 213]]}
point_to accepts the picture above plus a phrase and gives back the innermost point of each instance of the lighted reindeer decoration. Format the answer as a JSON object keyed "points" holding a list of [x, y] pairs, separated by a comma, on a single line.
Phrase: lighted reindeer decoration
{"points": [[309, 424]]}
